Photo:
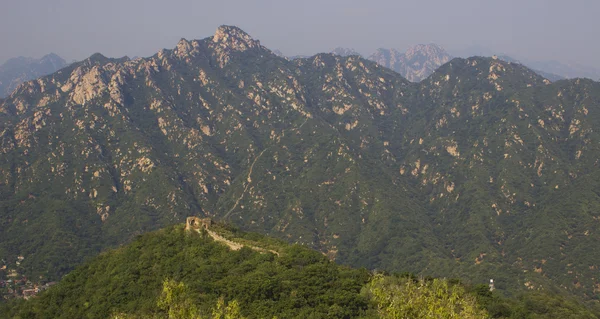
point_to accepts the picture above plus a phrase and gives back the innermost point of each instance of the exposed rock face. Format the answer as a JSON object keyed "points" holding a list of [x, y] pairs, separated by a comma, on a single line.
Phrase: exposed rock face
{"points": [[229, 39], [416, 63], [234, 38], [18, 70]]}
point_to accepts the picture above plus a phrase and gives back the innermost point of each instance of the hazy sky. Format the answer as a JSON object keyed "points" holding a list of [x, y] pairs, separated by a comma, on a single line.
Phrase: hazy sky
{"points": [[566, 31]]}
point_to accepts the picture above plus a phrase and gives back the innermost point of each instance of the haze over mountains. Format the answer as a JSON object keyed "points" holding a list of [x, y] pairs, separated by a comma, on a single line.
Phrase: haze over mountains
{"points": [[420, 61], [417, 63], [482, 170], [566, 70], [18, 70], [544, 67]]}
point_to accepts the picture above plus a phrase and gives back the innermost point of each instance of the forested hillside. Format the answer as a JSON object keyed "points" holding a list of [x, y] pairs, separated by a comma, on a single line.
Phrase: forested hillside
{"points": [[177, 274]]}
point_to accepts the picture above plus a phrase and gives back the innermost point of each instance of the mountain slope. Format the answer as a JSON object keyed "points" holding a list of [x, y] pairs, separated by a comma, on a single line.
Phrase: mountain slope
{"points": [[483, 170], [523, 146], [18, 70]]}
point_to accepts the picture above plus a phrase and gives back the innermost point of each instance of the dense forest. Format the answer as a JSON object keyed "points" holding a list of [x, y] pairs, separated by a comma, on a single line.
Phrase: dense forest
{"points": [[174, 273]]}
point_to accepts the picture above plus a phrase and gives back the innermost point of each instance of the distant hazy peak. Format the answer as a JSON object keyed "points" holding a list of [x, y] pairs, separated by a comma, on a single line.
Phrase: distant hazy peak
{"points": [[52, 57], [417, 63], [344, 52], [20, 69], [426, 49]]}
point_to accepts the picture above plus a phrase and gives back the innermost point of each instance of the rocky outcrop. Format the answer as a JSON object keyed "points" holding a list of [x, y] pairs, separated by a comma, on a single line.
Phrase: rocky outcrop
{"points": [[230, 39], [234, 38]]}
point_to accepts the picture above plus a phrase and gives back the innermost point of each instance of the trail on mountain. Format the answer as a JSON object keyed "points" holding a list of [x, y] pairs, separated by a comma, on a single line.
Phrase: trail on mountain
{"points": [[249, 179]]}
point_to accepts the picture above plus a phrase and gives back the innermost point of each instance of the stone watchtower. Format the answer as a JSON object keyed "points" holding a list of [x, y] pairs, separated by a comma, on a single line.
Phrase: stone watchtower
{"points": [[196, 223]]}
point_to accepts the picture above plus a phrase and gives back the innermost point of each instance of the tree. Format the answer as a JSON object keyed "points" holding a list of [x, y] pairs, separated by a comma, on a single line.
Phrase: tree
{"points": [[175, 302], [408, 298], [231, 310]]}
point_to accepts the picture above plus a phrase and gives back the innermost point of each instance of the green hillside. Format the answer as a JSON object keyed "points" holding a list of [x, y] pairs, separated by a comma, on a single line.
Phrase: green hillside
{"points": [[175, 273]]}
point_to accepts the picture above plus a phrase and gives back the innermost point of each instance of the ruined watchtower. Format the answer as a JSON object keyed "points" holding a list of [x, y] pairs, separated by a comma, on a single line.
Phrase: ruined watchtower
{"points": [[195, 223]]}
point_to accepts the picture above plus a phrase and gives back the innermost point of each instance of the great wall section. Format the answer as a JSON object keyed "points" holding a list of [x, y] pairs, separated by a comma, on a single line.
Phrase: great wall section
{"points": [[200, 224]]}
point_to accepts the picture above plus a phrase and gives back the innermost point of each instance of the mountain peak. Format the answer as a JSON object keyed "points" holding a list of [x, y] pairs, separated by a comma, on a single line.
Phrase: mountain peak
{"points": [[429, 50], [51, 56], [185, 48], [53, 59], [345, 52], [97, 58], [234, 38]]}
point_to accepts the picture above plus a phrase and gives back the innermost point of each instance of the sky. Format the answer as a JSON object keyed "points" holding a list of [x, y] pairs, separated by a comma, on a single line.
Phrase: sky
{"points": [[536, 30]]}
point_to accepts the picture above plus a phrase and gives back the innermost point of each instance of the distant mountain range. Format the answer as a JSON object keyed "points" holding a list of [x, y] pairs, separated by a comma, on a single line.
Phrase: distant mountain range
{"points": [[18, 70], [420, 61]]}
